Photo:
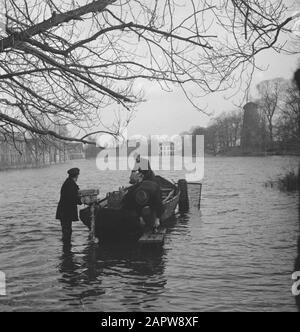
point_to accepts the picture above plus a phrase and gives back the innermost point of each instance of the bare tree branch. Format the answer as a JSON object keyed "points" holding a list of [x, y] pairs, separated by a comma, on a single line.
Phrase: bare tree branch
{"points": [[45, 132], [55, 20], [68, 62]]}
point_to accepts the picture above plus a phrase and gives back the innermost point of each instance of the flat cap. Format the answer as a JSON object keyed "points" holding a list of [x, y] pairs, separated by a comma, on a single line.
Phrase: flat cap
{"points": [[74, 171]]}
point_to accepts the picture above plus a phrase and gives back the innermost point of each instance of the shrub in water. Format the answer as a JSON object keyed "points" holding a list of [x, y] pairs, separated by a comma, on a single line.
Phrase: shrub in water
{"points": [[287, 182]]}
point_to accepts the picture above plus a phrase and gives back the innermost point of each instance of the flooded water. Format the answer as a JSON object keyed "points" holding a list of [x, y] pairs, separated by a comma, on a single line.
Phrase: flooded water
{"points": [[237, 254]]}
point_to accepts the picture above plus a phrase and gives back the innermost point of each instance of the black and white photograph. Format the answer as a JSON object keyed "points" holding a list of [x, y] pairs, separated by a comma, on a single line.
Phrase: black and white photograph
{"points": [[149, 158]]}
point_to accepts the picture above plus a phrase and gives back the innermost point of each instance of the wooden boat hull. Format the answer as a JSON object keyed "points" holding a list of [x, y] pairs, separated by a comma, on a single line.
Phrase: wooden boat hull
{"points": [[121, 224]]}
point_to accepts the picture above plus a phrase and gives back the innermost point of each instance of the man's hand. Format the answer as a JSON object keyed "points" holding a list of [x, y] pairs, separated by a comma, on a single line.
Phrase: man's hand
{"points": [[157, 223], [142, 222]]}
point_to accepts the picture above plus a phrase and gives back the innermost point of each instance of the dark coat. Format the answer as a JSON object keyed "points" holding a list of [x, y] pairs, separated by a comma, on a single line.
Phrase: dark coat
{"points": [[155, 201], [69, 199], [155, 196]]}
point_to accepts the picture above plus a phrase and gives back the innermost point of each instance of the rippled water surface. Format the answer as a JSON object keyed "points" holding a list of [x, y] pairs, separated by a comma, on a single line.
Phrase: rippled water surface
{"points": [[238, 253]]}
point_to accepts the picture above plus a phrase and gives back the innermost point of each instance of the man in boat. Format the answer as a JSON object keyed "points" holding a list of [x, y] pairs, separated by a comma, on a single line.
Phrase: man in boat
{"points": [[145, 198], [142, 165], [67, 211]]}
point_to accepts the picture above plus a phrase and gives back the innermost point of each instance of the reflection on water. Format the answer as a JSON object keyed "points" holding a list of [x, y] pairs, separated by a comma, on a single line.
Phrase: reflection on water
{"points": [[137, 271], [237, 253], [140, 270]]}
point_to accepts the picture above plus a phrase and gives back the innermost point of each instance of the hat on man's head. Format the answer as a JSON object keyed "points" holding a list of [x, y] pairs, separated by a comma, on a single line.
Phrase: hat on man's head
{"points": [[74, 172]]}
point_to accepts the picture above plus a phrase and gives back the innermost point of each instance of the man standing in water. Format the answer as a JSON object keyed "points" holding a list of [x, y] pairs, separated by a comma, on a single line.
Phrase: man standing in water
{"points": [[67, 211]]}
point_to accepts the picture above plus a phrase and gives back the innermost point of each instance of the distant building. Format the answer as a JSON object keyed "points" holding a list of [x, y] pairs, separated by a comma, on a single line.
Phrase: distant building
{"points": [[75, 151], [251, 139], [166, 148]]}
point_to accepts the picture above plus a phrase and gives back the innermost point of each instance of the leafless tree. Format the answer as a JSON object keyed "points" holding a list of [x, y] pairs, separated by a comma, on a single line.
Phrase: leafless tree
{"points": [[289, 121], [229, 127], [271, 100], [70, 61]]}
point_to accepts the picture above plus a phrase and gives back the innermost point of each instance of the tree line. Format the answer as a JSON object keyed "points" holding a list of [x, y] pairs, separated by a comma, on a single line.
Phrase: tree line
{"points": [[276, 126], [72, 62]]}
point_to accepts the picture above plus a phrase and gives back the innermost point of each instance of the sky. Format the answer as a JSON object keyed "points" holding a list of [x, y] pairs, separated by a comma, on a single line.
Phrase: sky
{"points": [[170, 113]]}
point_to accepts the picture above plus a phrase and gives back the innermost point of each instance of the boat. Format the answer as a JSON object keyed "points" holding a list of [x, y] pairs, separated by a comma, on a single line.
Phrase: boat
{"points": [[113, 222]]}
